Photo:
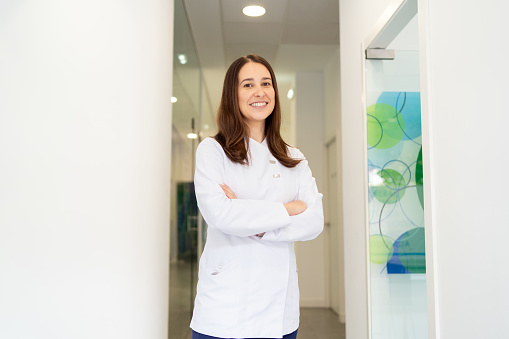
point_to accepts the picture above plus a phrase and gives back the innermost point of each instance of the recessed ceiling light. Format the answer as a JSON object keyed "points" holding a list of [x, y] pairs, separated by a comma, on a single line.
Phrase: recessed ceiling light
{"points": [[290, 94], [173, 100], [182, 59], [192, 135], [254, 11]]}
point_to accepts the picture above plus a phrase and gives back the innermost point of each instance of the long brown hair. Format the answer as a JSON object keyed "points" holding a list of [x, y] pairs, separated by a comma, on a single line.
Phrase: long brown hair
{"points": [[232, 129]]}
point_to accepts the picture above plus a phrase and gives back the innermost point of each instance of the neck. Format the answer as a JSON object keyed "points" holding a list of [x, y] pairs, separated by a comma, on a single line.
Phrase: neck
{"points": [[257, 132]]}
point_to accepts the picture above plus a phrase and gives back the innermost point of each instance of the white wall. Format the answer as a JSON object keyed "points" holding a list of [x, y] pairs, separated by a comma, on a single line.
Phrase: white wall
{"points": [[332, 93], [85, 142], [311, 255], [467, 124], [288, 123], [334, 214], [356, 18]]}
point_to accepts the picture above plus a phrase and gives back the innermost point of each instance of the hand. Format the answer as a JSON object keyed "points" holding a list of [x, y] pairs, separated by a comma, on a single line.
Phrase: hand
{"points": [[231, 195], [295, 207], [228, 192]]}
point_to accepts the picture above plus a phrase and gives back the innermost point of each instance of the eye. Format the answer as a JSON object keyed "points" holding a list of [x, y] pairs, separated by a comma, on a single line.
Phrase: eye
{"points": [[267, 83], [248, 85]]}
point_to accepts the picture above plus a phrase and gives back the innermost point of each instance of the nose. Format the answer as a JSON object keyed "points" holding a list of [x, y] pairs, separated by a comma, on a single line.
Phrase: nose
{"points": [[259, 92]]}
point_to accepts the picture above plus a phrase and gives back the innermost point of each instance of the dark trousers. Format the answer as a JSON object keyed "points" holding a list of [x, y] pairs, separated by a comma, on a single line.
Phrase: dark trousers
{"points": [[197, 335]]}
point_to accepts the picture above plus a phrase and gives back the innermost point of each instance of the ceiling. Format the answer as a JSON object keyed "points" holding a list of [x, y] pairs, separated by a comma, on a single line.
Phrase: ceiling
{"points": [[293, 35]]}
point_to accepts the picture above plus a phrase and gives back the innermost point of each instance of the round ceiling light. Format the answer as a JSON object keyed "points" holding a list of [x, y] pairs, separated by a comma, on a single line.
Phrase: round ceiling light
{"points": [[182, 59], [253, 10]]}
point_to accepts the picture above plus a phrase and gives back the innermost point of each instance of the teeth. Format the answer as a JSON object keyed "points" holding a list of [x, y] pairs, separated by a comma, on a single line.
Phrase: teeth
{"points": [[258, 104]]}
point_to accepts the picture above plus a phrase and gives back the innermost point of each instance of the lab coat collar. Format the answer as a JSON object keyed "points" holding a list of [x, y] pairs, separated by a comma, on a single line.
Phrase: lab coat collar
{"points": [[264, 142]]}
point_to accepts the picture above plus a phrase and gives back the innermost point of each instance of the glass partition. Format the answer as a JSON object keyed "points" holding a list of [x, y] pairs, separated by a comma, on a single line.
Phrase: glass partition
{"points": [[191, 118], [395, 195]]}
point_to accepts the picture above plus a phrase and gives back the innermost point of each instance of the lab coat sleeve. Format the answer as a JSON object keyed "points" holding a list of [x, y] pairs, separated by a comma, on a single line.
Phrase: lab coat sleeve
{"points": [[308, 224], [238, 217]]}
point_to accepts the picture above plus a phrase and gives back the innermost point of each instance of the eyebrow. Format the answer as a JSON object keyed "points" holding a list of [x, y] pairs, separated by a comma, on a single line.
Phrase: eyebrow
{"points": [[252, 79]]}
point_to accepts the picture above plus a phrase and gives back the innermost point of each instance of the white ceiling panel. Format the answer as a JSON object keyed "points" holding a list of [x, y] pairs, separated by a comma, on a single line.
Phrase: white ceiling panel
{"points": [[323, 33], [267, 33], [234, 51], [232, 10], [305, 11]]}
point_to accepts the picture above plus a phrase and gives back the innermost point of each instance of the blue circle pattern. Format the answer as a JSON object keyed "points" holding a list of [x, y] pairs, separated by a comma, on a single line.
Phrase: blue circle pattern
{"points": [[409, 106]]}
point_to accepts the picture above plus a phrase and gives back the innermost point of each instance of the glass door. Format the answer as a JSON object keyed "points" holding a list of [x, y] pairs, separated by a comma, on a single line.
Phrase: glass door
{"points": [[397, 267], [192, 120]]}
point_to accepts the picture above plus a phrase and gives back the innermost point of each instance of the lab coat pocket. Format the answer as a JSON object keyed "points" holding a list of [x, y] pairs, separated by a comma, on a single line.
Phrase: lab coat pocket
{"points": [[220, 282], [220, 268]]}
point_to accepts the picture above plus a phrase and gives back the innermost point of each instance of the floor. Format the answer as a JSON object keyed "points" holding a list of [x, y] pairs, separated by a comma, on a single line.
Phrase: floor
{"points": [[315, 323], [320, 323]]}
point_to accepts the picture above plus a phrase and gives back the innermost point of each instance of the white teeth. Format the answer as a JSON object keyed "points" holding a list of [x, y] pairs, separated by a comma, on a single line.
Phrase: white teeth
{"points": [[258, 104]]}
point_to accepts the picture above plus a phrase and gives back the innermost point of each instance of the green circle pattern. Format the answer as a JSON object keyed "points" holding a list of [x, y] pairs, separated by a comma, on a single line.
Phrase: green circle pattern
{"points": [[385, 126], [419, 178], [393, 188], [380, 249]]}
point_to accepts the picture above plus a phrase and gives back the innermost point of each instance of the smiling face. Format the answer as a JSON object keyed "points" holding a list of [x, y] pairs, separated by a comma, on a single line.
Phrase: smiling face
{"points": [[256, 95]]}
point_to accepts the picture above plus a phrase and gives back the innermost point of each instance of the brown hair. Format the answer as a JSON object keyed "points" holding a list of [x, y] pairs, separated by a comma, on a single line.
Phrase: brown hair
{"points": [[232, 129]]}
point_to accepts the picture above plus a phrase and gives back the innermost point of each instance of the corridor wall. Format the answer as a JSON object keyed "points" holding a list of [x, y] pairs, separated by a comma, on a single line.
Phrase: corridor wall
{"points": [[311, 255], [85, 143]]}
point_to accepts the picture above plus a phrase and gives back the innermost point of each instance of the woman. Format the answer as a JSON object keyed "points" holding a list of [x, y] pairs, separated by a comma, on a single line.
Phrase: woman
{"points": [[257, 196]]}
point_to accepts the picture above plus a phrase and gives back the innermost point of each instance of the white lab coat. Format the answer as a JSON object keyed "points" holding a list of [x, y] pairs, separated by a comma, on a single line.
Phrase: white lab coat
{"points": [[247, 286]]}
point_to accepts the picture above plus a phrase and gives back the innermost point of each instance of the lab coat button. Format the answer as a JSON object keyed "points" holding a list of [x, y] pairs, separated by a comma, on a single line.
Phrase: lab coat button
{"points": [[220, 266]]}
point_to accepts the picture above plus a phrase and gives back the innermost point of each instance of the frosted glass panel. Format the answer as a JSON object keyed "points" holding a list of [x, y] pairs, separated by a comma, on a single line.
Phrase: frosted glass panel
{"points": [[396, 213]]}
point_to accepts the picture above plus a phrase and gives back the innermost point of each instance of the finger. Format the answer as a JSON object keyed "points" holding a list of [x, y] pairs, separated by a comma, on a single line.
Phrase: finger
{"points": [[229, 192], [226, 190], [225, 186]]}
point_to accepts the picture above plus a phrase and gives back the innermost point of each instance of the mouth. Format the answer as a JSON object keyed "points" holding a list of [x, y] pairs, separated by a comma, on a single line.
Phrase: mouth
{"points": [[259, 104]]}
